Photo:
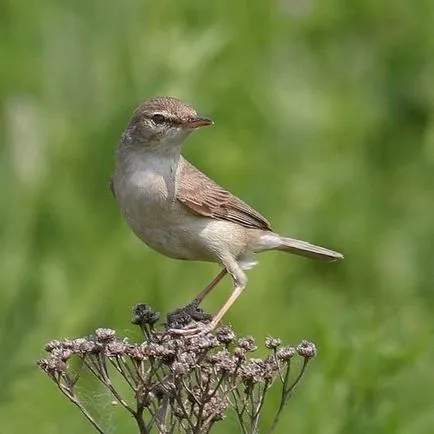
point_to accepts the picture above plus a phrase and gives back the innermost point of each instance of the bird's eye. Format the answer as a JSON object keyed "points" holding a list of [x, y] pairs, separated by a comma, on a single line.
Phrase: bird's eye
{"points": [[158, 119]]}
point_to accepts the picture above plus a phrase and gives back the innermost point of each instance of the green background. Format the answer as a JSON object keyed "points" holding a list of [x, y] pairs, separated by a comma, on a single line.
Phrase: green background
{"points": [[324, 115]]}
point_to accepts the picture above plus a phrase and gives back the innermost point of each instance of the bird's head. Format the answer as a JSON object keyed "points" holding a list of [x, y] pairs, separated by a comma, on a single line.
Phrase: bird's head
{"points": [[164, 122]]}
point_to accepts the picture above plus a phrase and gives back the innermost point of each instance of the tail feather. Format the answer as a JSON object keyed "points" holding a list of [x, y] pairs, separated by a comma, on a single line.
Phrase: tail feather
{"points": [[308, 250]]}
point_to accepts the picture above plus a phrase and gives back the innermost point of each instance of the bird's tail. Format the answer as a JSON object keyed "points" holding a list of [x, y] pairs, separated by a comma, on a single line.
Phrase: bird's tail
{"points": [[303, 248], [272, 241]]}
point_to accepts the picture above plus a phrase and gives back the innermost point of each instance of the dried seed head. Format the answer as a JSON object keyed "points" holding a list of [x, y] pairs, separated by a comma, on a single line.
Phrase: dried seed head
{"points": [[62, 354], [136, 352], [181, 317], [115, 348], [52, 365], [105, 335], [223, 362], [143, 314], [286, 353], [51, 345], [166, 355], [178, 319], [228, 366], [247, 343], [83, 346], [306, 349], [272, 343], [225, 335], [256, 370]]}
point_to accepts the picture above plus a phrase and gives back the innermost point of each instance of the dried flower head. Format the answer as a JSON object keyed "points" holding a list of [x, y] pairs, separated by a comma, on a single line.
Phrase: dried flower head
{"points": [[51, 345], [182, 317], [225, 334], [183, 382], [105, 335], [306, 349], [247, 343], [272, 343], [143, 315], [83, 346], [52, 365], [286, 353]]}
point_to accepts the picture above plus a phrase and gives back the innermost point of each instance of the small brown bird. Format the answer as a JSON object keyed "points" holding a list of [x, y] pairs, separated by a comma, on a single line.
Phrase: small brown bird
{"points": [[178, 211]]}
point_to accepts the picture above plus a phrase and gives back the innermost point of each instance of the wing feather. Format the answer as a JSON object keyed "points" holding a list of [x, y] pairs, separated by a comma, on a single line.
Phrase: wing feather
{"points": [[204, 197]]}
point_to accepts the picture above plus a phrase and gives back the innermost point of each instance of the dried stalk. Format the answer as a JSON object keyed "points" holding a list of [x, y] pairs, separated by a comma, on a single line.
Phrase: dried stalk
{"points": [[179, 384]]}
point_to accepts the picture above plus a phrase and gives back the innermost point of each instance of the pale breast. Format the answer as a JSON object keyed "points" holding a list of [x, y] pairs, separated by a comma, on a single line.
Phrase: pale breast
{"points": [[148, 204], [147, 199]]}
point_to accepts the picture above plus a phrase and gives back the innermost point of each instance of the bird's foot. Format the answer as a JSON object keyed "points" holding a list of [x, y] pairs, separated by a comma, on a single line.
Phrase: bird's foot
{"points": [[193, 330]]}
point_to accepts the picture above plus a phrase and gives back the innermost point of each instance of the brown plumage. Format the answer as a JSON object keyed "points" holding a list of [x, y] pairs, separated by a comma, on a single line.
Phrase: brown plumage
{"points": [[204, 197], [174, 110]]}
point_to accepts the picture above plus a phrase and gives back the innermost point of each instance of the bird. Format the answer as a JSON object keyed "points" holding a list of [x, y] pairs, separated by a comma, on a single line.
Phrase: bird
{"points": [[180, 212]]}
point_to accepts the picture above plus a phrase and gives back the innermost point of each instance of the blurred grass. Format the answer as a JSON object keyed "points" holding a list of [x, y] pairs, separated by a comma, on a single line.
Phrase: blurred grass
{"points": [[324, 122]]}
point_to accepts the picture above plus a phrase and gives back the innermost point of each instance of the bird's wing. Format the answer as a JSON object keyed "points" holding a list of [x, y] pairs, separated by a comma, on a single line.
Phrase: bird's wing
{"points": [[204, 197]]}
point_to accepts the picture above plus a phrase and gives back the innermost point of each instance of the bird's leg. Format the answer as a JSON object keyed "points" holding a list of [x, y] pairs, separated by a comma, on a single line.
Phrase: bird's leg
{"points": [[240, 281], [180, 318], [221, 313], [200, 297]]}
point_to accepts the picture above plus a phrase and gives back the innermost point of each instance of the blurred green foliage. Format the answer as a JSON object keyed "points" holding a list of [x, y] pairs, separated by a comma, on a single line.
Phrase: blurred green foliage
{"points": [[324, 122]]}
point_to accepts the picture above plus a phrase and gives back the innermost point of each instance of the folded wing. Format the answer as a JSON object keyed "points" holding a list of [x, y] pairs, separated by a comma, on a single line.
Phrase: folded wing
{"points": [[206, 198]]}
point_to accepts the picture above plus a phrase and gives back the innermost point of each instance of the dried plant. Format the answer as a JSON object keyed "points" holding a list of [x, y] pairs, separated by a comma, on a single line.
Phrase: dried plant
{"points": [[179, 384]]}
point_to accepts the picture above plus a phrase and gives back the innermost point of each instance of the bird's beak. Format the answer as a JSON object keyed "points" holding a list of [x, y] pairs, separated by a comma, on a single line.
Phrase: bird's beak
{"points": [[200, 122]]}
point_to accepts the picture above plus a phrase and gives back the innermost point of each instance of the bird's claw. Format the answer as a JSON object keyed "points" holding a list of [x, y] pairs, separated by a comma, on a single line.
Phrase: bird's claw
{"points": [[194, 330]]}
